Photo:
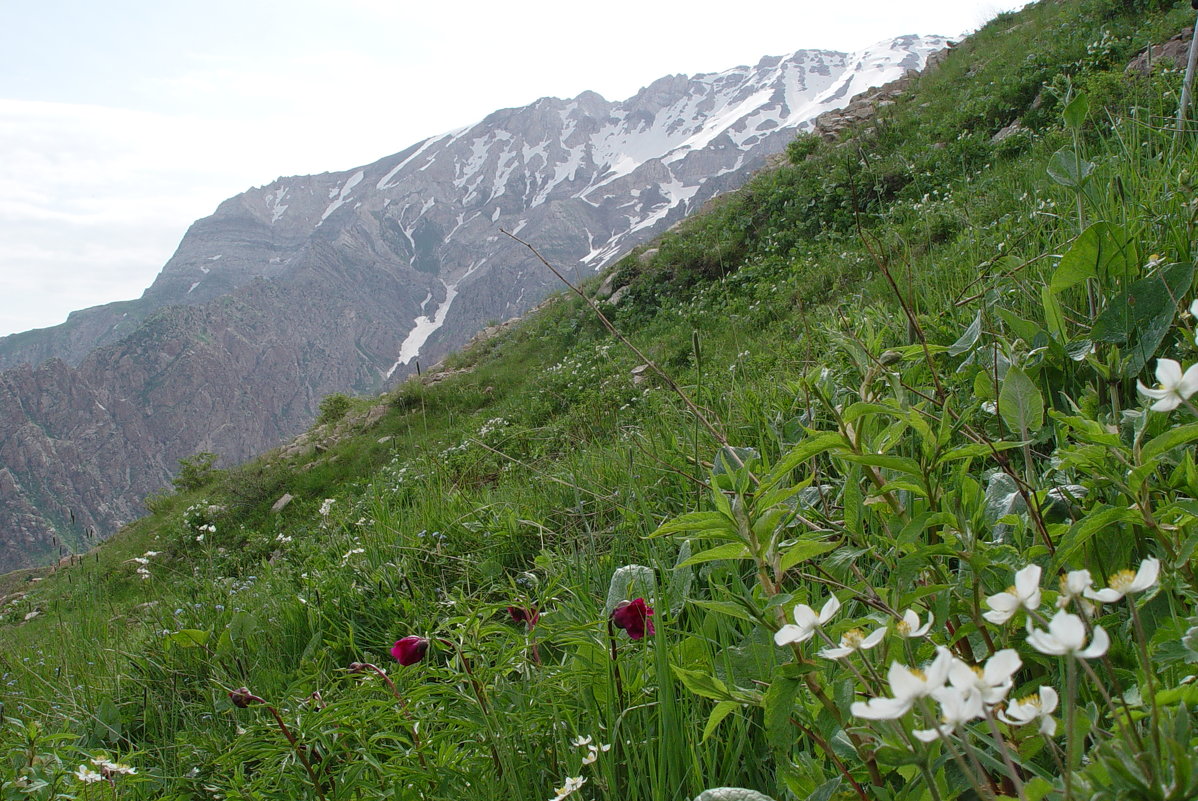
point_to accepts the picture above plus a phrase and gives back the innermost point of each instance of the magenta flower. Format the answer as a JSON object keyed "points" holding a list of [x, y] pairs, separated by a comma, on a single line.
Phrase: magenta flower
{"points": [[409, 650], [633, 617], [528, 616]]}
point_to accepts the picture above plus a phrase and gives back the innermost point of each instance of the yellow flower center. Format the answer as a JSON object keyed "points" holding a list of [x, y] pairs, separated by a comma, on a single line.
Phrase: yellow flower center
{"points": [[919, 674], [904, 628], [852, 638], [1012, 591], [1030, 700], [977, 671], [1121, 581]]}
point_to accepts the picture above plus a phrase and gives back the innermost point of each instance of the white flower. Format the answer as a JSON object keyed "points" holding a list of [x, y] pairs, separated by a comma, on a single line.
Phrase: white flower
{"points": [[990, 683], [806, 622], [1025, 593], [1194, 308], [109, 767], [1074, 584], [86, 775], [573, 783], [854, 640], [1175, 386], [909, 625], [1025, 710], [907, 684], [326, 506], [1125, 582], [1066, 634], [957, 706], [579, 742]]}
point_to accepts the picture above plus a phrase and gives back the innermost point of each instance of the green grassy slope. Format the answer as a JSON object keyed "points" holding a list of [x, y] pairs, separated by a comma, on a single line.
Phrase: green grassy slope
{"points": [[920, 395]]}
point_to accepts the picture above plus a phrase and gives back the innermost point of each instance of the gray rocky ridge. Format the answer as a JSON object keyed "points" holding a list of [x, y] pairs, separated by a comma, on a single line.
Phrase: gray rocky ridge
{"points": [[343, 282]]}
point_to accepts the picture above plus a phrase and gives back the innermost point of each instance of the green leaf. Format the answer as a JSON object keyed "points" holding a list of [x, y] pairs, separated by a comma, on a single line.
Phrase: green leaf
{"points": [[1020, 402], [702, 684], [1081, 531], [1140, 317], [1075, 112], [729, 608], [1168, 441], [1069, 169], [1054, 317], [729, 550], [778, 704], [1037, 788], [1101, 251], [1024, 329], [189, 638], [968, 338], [902, 464], [975, 450], [704, 522], [720, 711], [807, 449], [804, 550]]}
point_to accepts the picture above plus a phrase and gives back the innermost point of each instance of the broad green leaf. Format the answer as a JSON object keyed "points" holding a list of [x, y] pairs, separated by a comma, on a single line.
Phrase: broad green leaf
{"points": [[1020, 402], [1054, 317], [902, 464], [1081, 531], [189, 638], [702, 684], [1069, 169], [1024, 329], [1075, 111], [720, 711], [1140, 317], [807, 449], [1102, 251], [967, 339], [729, 550], [778, 705], [729, 608], [1171, 439], [705, 522], [804, 550], [731, 794]]}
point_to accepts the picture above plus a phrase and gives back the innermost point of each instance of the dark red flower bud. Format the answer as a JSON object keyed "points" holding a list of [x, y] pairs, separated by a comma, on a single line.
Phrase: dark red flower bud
{"points": [[242, 697], [409, 650], [528, 617], [633, 617]]}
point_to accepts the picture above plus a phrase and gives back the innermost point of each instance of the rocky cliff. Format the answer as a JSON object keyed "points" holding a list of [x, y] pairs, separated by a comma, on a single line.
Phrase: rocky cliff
{"points": [[344, 281]]}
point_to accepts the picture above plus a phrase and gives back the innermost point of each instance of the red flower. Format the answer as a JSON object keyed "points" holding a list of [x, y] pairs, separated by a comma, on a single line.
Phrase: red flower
{"points": [[409, 650], [528, 617], [633, 617]]}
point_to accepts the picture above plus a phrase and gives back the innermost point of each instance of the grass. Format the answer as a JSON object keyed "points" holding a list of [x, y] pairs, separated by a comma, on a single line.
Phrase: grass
{"points": [[529, 480]]}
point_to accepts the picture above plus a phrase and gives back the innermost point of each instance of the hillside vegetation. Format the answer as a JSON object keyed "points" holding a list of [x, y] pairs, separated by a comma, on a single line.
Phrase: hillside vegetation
{"points": [[886, 517]]}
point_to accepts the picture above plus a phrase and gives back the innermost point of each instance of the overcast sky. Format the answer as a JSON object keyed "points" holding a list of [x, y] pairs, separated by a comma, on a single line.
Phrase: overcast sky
{"points": [[123, 121]]}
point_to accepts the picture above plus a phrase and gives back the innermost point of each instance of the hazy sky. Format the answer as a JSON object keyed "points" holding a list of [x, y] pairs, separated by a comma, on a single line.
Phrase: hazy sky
{"points": [[123, 121]]}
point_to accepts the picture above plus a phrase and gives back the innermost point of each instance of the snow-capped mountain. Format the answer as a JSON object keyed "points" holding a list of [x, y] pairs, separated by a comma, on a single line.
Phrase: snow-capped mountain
{"points": [[343, 281]]}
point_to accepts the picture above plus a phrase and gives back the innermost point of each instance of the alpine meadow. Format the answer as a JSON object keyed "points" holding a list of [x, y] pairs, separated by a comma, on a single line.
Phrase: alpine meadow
{"points": [[874, 479]]}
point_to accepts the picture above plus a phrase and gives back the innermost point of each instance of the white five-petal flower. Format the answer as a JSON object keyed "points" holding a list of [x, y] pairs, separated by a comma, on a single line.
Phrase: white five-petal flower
{"points": [[991, 682], [909, 625], [1175, 386], [1033, 707], [806, 622], [1066, 634], [907, 685], [1125, 582], [957, 706], [854, 640], [1074, 584], [1025, 593]]}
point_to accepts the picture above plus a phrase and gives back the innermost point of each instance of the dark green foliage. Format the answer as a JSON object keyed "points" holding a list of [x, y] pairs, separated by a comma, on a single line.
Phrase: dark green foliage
{"points": [[196, 472], [333, 408]]}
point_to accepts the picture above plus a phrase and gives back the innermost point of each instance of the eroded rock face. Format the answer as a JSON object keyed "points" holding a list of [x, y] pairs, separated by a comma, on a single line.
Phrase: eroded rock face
{"points": [[344, 282]]}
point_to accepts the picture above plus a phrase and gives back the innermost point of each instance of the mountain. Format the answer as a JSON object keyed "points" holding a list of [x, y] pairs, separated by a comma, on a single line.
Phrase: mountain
{"points": [[347, 281]]}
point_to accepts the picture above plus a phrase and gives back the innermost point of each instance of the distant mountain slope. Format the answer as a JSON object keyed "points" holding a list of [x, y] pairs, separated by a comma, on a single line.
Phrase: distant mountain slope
{"points": [[343, 281]]}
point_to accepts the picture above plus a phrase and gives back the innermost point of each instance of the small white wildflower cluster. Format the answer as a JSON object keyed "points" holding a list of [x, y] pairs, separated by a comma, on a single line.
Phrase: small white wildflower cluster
{"points": [[198, 518], [573, 784], [326, 506], [143, 562], [808, 622], [107, 769], [593, 750]]}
